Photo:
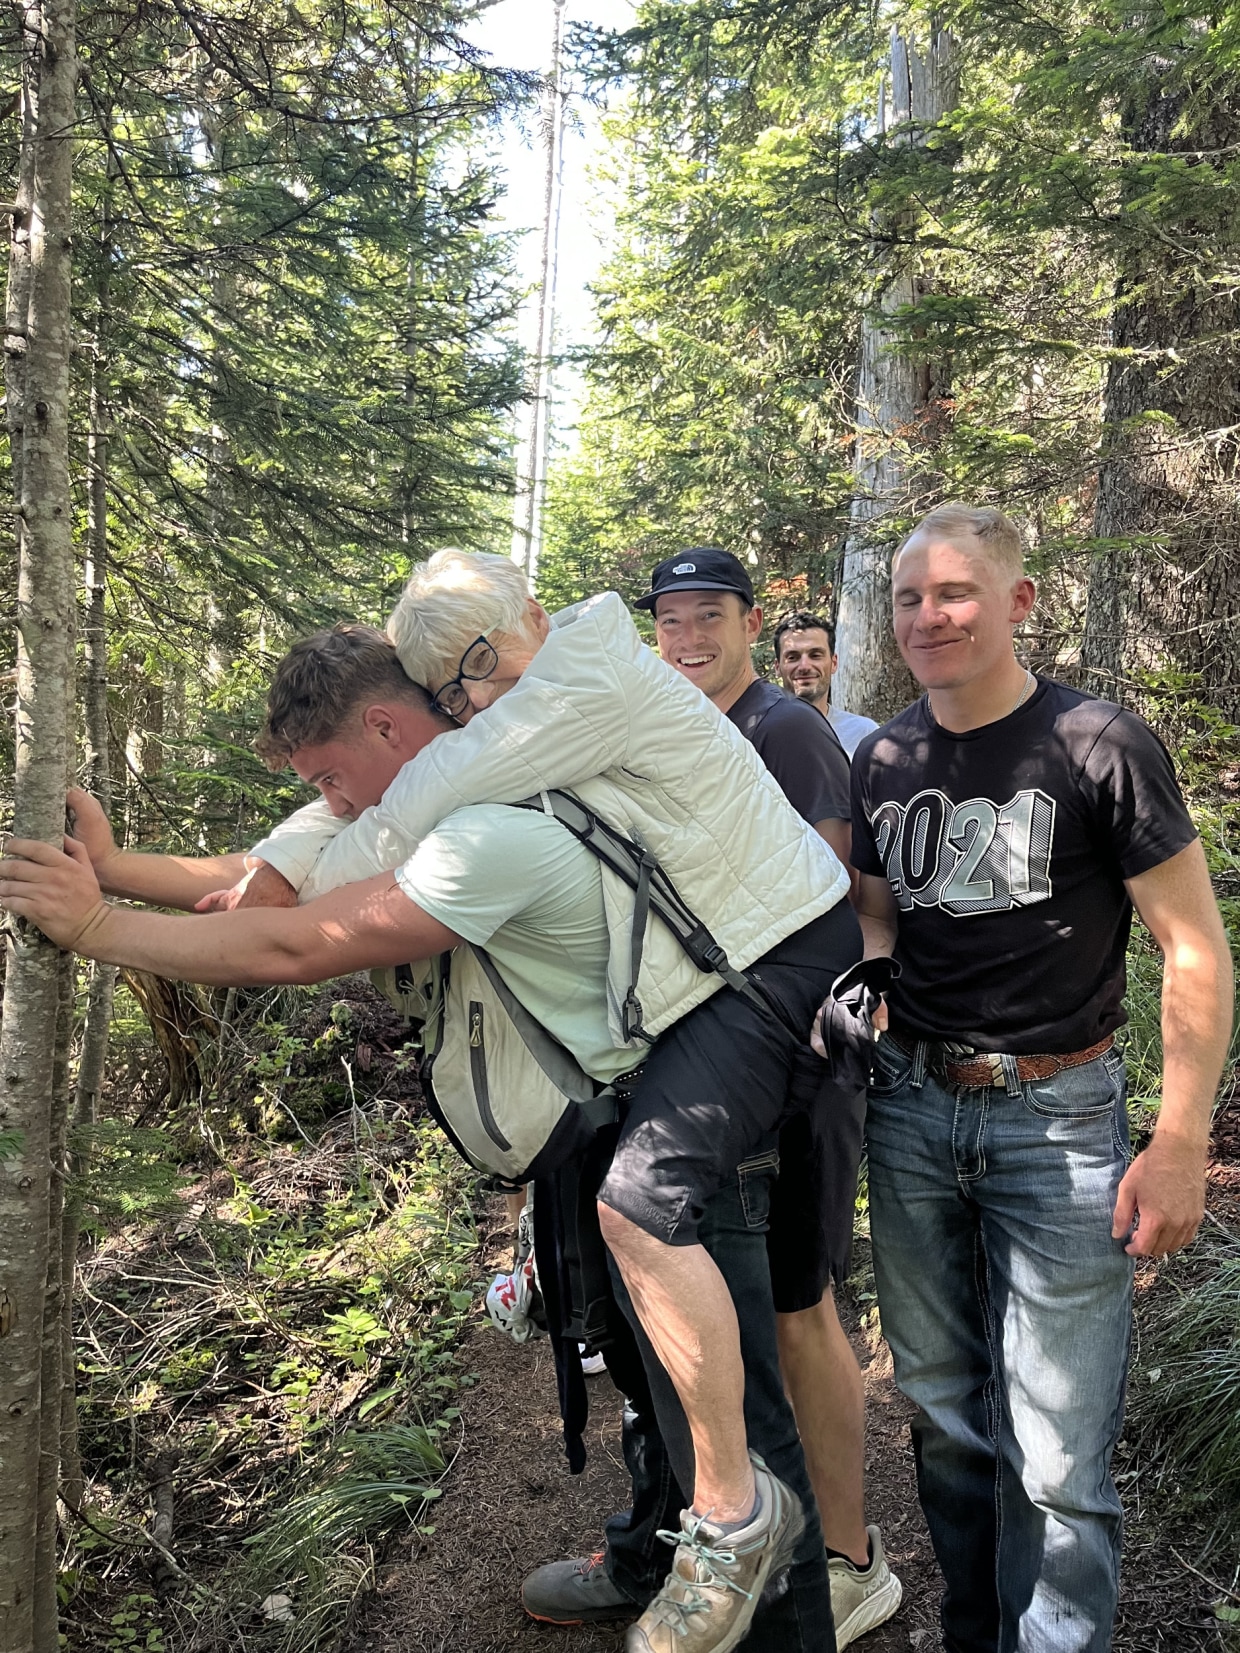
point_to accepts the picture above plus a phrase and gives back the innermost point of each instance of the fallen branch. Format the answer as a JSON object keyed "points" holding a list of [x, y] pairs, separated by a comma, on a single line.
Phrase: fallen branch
{"points": [[1213, 1583], [135, 1534], [163, 1469]]}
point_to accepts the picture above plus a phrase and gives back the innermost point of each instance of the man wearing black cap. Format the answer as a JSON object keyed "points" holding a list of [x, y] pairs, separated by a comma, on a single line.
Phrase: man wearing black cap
{"points": [[706, 623]]}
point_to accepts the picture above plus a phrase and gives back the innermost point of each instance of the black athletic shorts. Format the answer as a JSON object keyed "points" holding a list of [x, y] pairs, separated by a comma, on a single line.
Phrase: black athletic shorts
{"points": [[717, 1086], [813, 1205]]}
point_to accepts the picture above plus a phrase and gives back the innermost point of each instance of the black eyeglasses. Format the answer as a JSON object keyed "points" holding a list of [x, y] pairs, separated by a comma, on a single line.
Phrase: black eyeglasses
{"points": [[476, 665]]}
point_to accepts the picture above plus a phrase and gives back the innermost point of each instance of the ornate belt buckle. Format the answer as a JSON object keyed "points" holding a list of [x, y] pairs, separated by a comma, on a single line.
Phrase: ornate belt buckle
{"points": [[995, 1063]]}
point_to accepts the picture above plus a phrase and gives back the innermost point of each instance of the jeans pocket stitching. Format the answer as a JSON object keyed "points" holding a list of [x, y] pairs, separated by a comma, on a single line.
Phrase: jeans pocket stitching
{"points": [[882, 1081], [753, 1186], [1064, 1109]]}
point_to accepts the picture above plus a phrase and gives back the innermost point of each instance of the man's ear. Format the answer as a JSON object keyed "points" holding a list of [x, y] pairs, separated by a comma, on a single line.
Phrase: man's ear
{"points": [[382, 721], [753, 623], [538, 618], [1024, 596]]}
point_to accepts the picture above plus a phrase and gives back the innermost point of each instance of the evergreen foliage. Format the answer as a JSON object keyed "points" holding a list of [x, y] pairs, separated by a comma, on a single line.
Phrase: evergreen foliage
{"points": [[298, 316], [759, 194]]}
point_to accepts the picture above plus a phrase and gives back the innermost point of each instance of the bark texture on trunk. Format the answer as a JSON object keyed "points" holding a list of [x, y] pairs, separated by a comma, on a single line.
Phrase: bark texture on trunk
{"points": [[57, 1338], [901, 403], [44, 703], [97, 779], [1164, 593]]}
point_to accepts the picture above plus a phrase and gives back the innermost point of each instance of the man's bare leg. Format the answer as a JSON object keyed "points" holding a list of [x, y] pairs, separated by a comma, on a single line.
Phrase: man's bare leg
{"points": [[687, 1312], [827, 1392], [514, 1204]]}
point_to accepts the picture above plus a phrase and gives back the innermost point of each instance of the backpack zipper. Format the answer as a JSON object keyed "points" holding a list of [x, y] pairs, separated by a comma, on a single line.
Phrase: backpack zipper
{"points": [[478, 1072]]}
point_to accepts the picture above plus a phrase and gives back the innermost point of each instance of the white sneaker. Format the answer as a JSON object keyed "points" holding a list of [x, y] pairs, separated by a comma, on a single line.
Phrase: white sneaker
{"points": [[862, 1598], [591, 1364]]}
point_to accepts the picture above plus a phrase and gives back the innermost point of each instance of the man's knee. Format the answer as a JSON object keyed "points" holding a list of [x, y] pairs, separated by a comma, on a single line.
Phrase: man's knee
{"points": [[622, 1236], [814, 1335]]}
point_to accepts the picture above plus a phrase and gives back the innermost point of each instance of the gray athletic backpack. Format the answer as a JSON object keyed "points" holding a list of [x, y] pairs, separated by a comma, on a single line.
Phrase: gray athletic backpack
{"points": [[509, 1096]]}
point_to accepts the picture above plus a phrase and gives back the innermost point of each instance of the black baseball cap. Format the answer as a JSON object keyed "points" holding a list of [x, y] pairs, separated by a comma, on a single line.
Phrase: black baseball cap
{"points": [[701, 568]]}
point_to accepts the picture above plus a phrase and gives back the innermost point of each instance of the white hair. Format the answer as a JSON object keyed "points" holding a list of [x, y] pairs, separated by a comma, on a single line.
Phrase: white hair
{"points": [[450, 600]]}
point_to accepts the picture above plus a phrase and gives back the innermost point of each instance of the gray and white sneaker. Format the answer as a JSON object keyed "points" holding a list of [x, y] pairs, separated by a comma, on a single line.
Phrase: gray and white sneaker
{"points": [[717, 1579], [575, 1592], [862, 1598]]}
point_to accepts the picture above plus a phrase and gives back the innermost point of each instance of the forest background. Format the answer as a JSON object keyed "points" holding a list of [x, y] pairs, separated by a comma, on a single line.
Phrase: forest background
{"points": [[865, 258]]}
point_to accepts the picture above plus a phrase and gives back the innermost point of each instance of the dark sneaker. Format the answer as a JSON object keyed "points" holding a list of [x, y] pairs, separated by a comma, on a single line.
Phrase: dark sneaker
{"points": [[709, 1598], [574, 1592]]}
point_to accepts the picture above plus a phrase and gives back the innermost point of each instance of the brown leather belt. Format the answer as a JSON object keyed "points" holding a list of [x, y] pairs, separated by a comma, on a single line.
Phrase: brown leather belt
{"points": [[987, 1069]]}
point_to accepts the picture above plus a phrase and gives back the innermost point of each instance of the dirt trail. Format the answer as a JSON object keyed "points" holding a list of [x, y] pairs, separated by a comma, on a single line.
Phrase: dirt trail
{"points": [[509, 1504]]}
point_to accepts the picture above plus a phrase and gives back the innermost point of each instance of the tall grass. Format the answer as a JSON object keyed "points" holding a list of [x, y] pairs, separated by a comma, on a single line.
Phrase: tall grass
{"points": [[1185, 1399]]}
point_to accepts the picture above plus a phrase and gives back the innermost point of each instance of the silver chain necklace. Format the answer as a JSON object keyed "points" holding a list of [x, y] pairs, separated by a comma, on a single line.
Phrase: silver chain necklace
{"points": [[1030, 681]]}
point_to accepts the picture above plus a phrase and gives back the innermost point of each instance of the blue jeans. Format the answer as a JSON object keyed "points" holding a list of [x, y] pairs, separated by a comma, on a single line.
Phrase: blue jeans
{"points": [[1008, 1308], [659, 1451]]}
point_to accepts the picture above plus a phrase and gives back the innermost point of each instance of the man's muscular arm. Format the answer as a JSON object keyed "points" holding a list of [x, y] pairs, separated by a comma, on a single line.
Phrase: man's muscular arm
{"points": [[1164, 1188], [162, 880], [876, 911], [364, 925]]}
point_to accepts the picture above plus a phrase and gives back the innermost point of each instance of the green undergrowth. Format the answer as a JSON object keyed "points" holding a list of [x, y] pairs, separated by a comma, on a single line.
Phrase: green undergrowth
{"points": [[274, 1329], [1180, 1460]]}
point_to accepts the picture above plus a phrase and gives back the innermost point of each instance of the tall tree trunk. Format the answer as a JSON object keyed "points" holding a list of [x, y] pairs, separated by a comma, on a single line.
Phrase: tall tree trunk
{"points": [[1165, 592], [900, 405], [57, 1328], [44, 701], [532, 486], [97, 778]]}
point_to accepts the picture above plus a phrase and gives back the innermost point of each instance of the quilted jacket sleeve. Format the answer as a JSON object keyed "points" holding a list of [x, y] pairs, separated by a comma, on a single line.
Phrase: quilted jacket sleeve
{"points": [[294, 846]]}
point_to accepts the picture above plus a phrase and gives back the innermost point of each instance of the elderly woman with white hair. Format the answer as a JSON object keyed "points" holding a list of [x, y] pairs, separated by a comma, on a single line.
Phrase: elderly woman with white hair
{"points": [[578, 701]]}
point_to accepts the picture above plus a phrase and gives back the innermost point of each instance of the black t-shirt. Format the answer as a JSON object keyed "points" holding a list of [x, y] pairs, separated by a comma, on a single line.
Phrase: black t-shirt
{"points": [[799, 747], [1006, 848]]}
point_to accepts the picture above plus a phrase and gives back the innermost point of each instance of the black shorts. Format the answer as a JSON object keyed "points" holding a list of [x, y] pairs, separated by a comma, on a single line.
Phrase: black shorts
{"points": [[813, 1205], [716, 1087]]}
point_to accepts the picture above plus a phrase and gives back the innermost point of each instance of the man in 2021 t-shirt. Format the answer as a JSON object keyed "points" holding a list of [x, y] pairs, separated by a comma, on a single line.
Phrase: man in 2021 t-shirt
{"points": [[1004, 826]]}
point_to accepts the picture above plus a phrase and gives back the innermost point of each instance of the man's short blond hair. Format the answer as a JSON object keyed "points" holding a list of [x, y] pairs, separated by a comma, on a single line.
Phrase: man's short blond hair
{"points": [[450, 600], [997, 534]]}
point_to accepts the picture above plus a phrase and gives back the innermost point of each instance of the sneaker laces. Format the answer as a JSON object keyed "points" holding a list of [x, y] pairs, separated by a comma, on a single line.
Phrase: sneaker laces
{"points": [[708, 1558], [591, 1563]]}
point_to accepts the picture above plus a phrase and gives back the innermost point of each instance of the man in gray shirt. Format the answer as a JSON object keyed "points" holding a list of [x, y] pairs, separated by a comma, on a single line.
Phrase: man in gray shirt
{"points": [[806, 661]]}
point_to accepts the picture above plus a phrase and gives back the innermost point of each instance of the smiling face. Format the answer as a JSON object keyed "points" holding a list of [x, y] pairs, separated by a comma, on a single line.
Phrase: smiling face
{"points": [[706, 636], [806, 664], [955, 610]]}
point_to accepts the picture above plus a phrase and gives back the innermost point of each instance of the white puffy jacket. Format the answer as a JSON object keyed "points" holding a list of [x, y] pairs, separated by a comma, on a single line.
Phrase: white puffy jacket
{"points": [[598, 713]]}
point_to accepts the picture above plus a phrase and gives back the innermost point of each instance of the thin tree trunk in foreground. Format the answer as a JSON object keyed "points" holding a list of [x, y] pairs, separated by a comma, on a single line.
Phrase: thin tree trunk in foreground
{"points": [[44, 702], [97, 779]]}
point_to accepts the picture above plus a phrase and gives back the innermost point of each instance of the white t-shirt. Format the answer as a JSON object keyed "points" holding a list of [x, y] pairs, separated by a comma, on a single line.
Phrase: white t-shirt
{"points": [[851, 727], [519, 884]]}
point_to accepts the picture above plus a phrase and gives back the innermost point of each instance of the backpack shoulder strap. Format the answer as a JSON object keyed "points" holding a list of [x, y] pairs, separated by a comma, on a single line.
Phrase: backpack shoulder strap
{"points": [[653, 892]]}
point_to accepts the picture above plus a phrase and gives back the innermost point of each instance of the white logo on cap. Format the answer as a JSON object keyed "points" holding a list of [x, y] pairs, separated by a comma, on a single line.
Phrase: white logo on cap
{"points": [[685, 568]]}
